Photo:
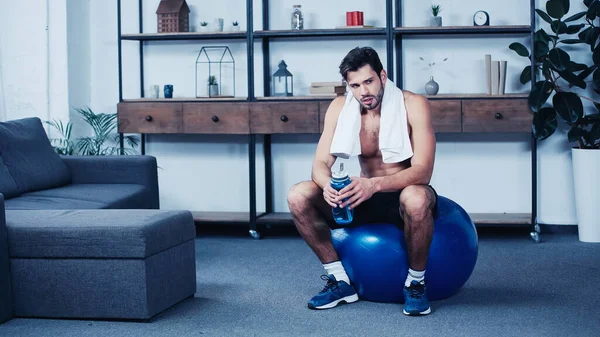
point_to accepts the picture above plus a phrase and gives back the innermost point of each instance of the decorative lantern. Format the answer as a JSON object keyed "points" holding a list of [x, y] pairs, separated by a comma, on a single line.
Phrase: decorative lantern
{"points": [[283, 82]]}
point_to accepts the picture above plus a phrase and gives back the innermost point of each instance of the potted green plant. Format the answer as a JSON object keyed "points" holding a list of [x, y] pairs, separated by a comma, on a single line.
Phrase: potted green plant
{"points": [[213, 86], [436, 20], [235, 26], [104, 139], [561, 88], [203, 26]]}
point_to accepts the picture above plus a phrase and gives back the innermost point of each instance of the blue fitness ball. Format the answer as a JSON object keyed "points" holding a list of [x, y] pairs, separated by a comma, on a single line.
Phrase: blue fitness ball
{"points": [[375, 256]]}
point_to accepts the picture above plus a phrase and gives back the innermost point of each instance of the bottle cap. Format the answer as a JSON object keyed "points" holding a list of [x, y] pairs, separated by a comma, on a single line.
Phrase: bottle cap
{"points": [[339, 174]]}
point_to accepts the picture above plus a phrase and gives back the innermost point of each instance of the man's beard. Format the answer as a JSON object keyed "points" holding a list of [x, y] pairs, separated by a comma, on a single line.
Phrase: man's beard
{"points": [[374, 102]]}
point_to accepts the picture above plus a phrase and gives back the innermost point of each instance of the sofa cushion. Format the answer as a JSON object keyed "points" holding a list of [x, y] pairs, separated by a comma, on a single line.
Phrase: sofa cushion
{"points": [[8, 187], [29, 156], [26, 202], [111, 233], [131, 196], [85, 196]]}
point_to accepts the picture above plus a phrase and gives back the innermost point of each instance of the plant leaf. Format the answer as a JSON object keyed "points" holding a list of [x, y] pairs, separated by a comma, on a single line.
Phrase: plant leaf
{"points": [[541, 35], [568, 106], [572, 79], [596, 55], [544, 123], [577, 66], [559, 27], [586, 72], [566, 5], [596, 79], [592, 10], [575, 134], [543, 15], [555, 9], [559, 59], [541, 49], [574, 29], [519, 49], [539, 94], [587, 3], [571, 41], [575, 16], [525, 75]]}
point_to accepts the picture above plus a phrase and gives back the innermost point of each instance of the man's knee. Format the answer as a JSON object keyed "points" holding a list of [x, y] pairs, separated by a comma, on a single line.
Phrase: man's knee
{"points": [[417, 201], [301, 195]]}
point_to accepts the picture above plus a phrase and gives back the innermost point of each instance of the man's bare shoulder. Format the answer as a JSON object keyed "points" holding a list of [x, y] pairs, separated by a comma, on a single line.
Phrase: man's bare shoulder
{"points": [[336, 106], [413, 98], [415, 104]]}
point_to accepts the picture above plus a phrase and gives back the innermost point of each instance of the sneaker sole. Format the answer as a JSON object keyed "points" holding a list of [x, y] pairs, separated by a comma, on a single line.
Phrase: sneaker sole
{"points": [[347, 299], [417, 313]]}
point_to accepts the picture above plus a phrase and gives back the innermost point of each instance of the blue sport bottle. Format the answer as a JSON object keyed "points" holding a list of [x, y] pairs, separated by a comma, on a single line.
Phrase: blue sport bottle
{"points": [[339, 180]]}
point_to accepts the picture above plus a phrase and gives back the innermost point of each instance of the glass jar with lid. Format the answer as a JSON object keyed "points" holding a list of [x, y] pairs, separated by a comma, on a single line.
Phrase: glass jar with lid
{"points": [[297, 18]]}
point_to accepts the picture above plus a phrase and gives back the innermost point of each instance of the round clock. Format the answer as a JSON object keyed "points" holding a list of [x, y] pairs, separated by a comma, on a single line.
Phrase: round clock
{"points": [[481, 18]]}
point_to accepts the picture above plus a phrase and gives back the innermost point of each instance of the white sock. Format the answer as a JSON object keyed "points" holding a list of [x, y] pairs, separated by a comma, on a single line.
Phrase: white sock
{"points": [[337, 270], [414, 275]]}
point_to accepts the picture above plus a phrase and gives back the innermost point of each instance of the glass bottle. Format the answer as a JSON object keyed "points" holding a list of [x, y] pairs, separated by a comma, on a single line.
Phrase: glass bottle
{"points": [[297, 18]]}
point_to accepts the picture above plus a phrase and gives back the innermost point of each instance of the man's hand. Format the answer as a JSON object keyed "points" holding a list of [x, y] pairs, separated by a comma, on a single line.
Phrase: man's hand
{"points": [[330, 195], [359, 190]]}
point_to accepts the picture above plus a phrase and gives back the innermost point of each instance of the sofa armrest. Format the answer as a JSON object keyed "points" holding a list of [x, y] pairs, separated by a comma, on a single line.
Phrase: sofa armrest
{"points": [[6, 309], [142, 170]]}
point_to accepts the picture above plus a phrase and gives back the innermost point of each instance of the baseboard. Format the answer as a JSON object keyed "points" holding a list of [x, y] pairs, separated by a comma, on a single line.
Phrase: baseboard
{"points": [[559, 229]]}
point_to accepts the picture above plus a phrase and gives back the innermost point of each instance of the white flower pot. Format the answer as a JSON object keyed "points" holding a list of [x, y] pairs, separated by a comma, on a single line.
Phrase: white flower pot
{"points": [[586, 165]]}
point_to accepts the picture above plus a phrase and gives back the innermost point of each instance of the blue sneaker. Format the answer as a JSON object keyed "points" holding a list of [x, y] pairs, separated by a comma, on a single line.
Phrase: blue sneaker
{"points": [[334, 293], [415, 299]]}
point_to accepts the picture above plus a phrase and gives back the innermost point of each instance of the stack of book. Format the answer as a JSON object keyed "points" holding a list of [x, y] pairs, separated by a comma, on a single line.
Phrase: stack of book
{"points": [[328, 88]]}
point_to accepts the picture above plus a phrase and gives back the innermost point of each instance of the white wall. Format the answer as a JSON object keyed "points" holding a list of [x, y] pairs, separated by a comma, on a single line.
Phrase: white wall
{"points": [[34, 59], [79, 61], [483, 172]]}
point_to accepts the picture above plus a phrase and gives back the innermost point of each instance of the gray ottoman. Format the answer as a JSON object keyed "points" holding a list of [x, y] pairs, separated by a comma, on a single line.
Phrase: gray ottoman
{"points": [[108, 264]]}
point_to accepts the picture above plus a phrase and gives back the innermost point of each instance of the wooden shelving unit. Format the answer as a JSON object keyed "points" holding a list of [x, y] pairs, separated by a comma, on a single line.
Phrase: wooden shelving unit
{"points": [[186, 99], [469, 30], [321, 32], [267, 115], [184, 36]]}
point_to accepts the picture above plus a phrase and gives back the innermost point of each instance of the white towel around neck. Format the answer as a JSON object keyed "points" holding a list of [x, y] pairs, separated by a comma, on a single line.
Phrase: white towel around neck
{"points": [[394, 140]]}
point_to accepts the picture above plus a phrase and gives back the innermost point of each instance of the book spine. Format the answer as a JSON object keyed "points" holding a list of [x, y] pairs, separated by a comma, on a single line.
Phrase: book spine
{"points": [[488, 73], [495, 77], [502, 79]]}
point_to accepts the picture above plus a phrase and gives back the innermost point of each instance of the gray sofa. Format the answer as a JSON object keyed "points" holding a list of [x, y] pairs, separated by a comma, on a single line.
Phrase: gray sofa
{"points": [[36, 184]]}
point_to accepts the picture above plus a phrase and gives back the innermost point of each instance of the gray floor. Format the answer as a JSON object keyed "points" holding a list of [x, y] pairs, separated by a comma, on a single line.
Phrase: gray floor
{"points": [[259, 288]]}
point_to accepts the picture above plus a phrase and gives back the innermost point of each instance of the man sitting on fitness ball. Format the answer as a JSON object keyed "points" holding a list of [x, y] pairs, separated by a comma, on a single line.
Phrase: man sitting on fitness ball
{"points": [[393, 186]]}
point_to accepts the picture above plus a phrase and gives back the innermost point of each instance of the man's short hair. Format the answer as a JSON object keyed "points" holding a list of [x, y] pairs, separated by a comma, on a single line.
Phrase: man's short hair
{"points": [[359, 57]]}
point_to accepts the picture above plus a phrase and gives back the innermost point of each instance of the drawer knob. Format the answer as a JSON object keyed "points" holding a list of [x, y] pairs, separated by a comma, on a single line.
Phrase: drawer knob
{"points": [[149, 118], [498, 115], [215, 119], [284, 118]]}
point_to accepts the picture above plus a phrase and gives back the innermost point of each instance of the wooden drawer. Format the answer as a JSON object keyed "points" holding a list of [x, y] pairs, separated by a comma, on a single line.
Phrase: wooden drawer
{"points": [[284, 117], [496, 115], [222, 118], [446, 115], [140, 117]]}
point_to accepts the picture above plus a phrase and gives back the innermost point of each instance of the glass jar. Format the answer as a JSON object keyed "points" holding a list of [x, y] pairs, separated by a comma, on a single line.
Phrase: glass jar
{"points": [[297, 18]]}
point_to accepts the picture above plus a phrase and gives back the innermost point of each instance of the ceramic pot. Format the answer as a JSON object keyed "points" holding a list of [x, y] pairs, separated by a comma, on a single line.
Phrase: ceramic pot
{"points": [[213, 90], [436, 21], [586, 163], [431, 87]]}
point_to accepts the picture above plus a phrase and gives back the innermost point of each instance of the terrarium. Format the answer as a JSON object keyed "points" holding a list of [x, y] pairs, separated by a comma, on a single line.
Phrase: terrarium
{"points": [[215, 72]]}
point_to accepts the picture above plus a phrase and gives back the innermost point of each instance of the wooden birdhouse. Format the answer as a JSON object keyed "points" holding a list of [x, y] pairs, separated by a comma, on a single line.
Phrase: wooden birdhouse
{"points": [[173, 16]]}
